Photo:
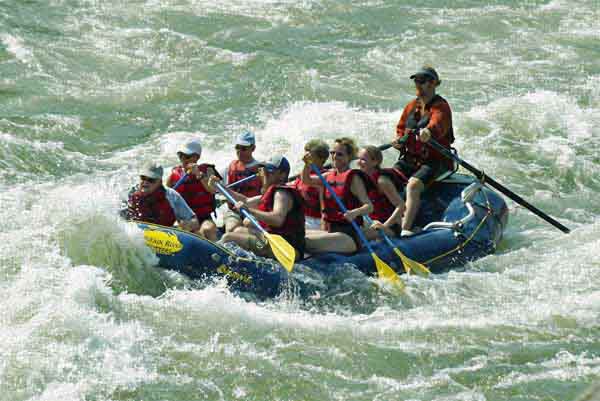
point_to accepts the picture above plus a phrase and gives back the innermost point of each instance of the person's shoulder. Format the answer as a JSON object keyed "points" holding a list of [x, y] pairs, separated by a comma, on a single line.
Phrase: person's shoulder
{"points": [[411, 104], [172, 193], [440, 103]]}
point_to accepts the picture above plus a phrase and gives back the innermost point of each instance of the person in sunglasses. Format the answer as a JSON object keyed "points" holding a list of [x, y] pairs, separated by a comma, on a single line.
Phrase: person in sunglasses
{"points": [[418, 161], [152, 202], [279, 209], [243, 166], [194, 189], [351, 186]]}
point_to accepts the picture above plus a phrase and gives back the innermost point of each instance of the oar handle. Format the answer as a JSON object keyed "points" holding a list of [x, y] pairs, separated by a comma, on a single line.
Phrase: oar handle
{"points": [[493, 183], [238, 182], [381, 232], [342, 207], [243, 210], [181, 180]]}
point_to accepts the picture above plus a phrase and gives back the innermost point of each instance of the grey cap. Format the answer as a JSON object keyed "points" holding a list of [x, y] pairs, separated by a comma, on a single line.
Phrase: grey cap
{"points": [[190, 148], [152, 170], [245, 139], [426, 71]]}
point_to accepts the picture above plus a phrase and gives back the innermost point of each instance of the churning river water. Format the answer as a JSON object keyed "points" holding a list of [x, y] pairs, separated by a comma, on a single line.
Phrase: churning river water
{"points": [[90, 90]]}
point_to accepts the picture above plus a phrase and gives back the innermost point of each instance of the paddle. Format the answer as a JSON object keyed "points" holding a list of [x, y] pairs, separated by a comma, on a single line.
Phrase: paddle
{"points": [[283, 251], [488, 180], [183, 178], [409, 264], [383, 270]]}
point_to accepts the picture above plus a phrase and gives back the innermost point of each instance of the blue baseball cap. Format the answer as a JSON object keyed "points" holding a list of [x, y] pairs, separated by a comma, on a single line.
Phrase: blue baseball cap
{"points": [[245, 139], [276, 162]]}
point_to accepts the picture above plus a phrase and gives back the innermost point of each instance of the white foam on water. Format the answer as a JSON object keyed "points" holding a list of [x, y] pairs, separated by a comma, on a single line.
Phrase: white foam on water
{"points": [[16, 46]]}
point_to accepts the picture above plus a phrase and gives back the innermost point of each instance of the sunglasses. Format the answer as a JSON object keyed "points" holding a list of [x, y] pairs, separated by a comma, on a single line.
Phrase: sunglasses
{"points": [[339, 154], [421, 81], [150, 180], [243, 148], [183, 156]]}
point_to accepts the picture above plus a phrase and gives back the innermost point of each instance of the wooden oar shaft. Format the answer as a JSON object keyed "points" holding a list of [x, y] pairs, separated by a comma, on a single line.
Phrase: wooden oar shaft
{"points": [[493, 183]]}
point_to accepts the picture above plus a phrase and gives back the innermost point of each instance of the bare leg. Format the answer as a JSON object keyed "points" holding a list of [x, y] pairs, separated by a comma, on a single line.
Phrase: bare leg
{"points": [[232, 221], [322, 241], [208, 230], [414, 189], [249, 240]]}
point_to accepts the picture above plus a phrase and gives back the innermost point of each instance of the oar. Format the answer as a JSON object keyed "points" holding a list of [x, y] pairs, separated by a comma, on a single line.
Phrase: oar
{"points": [[409, 264], [489, 180], [383, 269], [238, 182], [283, 251], [180, 181]]}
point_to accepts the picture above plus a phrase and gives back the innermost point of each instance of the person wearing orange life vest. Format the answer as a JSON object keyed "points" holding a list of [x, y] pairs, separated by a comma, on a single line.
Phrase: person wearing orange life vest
{"points": [[313, 196], [279, 210], [151, 202], [417, 160], [385, 195], [351, 186], [194, 189], [243, 166]]}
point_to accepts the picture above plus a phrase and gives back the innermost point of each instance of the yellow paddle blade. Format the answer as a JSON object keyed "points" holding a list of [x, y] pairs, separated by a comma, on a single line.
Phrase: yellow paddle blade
{"points": [[385, 272], [412, 265], [283, 251]]}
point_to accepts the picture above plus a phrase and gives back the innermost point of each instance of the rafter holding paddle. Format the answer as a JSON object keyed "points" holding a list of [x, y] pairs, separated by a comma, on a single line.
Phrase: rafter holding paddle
{"points": [[486, 179], [283, 251], [384, 271]]}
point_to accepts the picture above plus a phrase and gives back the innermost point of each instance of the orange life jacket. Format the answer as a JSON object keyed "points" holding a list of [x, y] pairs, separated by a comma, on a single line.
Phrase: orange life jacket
{"points": [[417, 152]]}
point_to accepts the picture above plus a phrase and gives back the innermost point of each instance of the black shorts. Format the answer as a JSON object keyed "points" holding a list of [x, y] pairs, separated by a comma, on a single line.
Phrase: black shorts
{"points": [[347, 229], [427, 173]]}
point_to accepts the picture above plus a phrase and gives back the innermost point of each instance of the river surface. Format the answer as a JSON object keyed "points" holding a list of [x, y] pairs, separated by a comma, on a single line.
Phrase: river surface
{"points": [[91, 90]]}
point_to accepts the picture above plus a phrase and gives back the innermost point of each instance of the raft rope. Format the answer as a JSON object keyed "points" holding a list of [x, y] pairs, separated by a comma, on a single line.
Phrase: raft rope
{"points": [[462, 245]]}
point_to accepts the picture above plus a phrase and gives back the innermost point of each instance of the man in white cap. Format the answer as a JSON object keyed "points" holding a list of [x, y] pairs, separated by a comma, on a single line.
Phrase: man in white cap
{"points": [[152, 202], [190, 179], [243, 166], [279, 210], [425, 117]]}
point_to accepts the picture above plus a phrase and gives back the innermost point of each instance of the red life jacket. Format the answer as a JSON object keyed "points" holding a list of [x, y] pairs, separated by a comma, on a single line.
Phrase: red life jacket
{"points": [[198, 198], [418, 152], [382, 207], [152, 208], [237, 171], [341, 182], [292, 228], [310, 196]]}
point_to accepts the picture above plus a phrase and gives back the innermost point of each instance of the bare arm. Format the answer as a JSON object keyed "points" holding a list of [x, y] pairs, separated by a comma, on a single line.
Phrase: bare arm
{"points": [[358, 189], [305, 175], [282, 204], [387, 187]]}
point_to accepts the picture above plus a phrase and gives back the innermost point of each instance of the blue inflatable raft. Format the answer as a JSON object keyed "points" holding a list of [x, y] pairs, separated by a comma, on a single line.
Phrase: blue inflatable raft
{"points": [[462, 221]]}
